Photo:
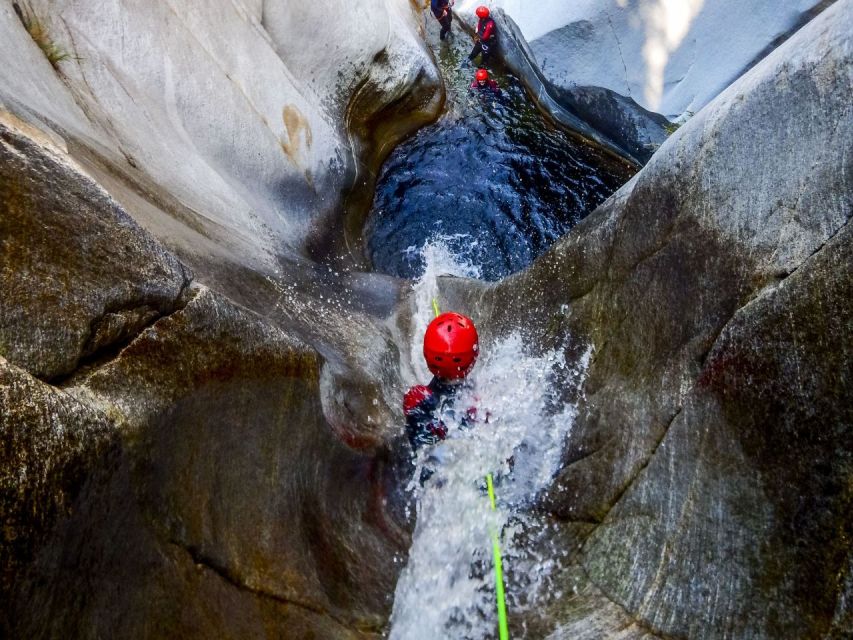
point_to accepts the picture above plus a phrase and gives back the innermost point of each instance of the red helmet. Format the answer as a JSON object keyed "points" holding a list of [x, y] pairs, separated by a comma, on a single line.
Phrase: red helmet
{"points": [[482, 75], [482, 12], [451, 345]]}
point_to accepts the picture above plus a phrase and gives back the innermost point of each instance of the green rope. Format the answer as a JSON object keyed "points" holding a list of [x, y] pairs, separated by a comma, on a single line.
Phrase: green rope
{"points": [[499, 571]]}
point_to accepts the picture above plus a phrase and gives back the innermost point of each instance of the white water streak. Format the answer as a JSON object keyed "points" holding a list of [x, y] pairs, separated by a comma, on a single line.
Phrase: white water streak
{"points": [[438, 260], [447, 587]]}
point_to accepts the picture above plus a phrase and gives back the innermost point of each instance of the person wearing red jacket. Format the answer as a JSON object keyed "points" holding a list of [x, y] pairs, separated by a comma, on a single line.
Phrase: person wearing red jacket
{"points": [[482, 81], [451, 346], [486, 37]]}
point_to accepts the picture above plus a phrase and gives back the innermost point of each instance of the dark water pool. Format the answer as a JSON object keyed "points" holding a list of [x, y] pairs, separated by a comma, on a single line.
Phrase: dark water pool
{"points": [[493, 179]]}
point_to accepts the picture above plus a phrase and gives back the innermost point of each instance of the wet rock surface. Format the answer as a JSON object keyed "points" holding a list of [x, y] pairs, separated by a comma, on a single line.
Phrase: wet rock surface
{"points": [[209, 493], [706, 486], [205, 459], [174, 472]]}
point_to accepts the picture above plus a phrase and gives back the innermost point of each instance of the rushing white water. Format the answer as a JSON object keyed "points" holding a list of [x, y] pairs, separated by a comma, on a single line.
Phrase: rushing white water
{"points": [[447, 588], [438, 260]]}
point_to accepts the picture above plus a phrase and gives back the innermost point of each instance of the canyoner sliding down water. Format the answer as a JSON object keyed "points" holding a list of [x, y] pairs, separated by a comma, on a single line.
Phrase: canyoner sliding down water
{"points": [[451, 345], [205, 341], [474, 481]]}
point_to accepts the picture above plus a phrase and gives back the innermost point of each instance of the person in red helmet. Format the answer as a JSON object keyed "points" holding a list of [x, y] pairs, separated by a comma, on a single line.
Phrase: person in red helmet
{"points": [[482, 81], [486, 37], [451, 346]]}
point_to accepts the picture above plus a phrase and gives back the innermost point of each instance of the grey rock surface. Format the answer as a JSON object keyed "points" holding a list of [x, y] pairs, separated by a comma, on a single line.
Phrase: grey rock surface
{"points": [[78, 275], [51, 445], [639, 131], [672, 59], [225, 482], [205, 120]]}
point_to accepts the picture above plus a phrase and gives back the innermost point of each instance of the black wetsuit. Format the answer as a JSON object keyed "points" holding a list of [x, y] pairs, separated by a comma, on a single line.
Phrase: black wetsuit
{"points": [[422, 405], [441, 11]]}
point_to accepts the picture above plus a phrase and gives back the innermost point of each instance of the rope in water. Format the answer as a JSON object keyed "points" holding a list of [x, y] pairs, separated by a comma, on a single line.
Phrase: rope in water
{"points": [[499, 571]]}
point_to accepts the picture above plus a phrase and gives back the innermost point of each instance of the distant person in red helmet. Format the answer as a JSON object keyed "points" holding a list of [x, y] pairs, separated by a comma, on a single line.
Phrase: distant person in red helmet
{"points": [[441, 11], [451, 347], [482, 81], [486, 37]]}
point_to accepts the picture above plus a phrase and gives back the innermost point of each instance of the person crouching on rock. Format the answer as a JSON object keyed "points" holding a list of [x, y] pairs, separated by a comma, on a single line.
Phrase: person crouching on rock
{"points": [[451, 346], [482, 82], [441, 10], [486, 37]]}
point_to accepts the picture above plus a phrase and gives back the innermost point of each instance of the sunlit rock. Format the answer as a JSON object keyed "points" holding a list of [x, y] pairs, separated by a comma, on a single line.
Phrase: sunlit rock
{"points": [[670, 56], [206, 119]]}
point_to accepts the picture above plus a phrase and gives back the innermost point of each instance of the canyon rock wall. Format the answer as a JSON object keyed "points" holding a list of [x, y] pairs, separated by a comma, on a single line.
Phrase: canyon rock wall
{"points": [[616, 66], [180, 458], [207, 120], [669, 57]]}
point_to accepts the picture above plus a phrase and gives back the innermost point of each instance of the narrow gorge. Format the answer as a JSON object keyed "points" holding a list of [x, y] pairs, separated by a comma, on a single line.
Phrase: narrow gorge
{"points": [[223, 226]]}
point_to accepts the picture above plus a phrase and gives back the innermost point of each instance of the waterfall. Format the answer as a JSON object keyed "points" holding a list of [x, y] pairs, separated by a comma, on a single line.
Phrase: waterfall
{"points": [[447, 587]]}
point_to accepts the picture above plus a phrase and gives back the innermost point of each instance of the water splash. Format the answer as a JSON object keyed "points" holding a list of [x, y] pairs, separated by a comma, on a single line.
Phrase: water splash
{"points": [[447, 588], [438, 259]]}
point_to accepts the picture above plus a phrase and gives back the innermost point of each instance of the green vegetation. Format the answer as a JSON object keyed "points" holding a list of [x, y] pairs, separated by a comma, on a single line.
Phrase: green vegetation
{"points": [[672, 127], [38, 31]]}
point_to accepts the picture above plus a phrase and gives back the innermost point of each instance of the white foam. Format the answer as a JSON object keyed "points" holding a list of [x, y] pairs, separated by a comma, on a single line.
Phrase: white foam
{"points": [[447, 588]]}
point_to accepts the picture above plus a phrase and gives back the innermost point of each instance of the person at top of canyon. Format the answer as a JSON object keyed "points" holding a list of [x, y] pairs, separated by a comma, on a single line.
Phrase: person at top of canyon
{"points": [[441, 10], [451, 346], [482, 82], [486, 37]]}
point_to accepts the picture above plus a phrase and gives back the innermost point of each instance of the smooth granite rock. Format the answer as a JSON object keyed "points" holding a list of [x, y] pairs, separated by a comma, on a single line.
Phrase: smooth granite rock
{"points": [[670, 58], [78, 275], [206, 120]]}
